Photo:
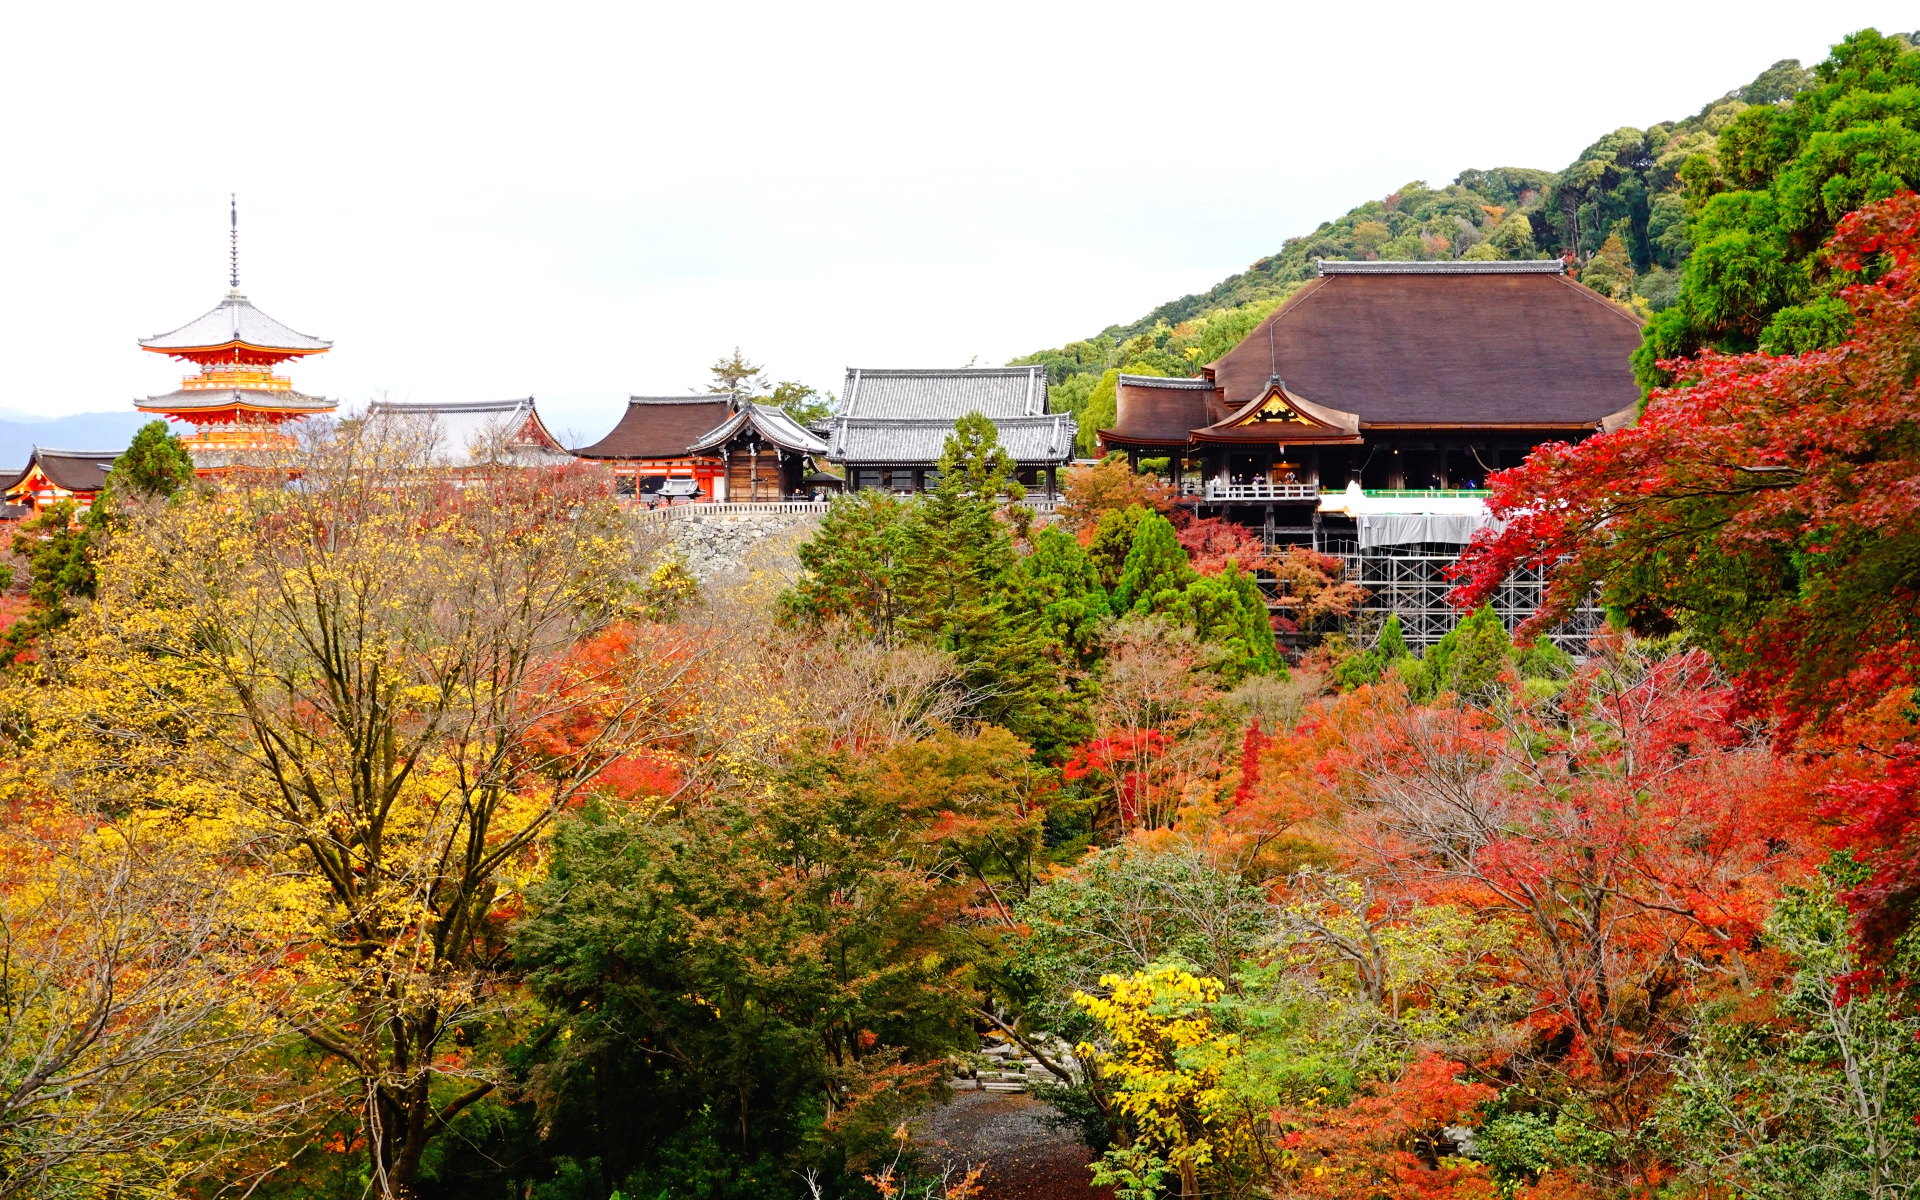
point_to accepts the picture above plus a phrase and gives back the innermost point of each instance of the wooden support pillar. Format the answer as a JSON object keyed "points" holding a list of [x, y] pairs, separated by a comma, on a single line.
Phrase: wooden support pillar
{"points": [[1052, 483]]}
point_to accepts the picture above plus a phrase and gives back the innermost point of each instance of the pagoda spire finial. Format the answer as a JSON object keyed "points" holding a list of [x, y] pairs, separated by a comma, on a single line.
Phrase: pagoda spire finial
{"points": [[233, 253]]}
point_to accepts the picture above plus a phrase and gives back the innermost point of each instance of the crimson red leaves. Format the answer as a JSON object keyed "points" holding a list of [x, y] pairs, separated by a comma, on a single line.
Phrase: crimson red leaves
{"points": [[1771, 505]]}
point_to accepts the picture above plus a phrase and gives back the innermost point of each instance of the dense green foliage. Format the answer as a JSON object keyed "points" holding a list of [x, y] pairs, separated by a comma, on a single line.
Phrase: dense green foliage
{"points": [[1762, 206], [732, 970], [56, 543], [1022, 623]]}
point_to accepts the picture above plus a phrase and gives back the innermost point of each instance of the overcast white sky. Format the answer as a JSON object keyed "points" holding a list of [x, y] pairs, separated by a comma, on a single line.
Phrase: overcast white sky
{"points": [[582, 201]]}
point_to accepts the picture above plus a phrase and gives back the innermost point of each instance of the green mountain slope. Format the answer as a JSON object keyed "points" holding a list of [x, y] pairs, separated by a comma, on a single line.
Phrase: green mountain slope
{"points": [[1619, 211]]}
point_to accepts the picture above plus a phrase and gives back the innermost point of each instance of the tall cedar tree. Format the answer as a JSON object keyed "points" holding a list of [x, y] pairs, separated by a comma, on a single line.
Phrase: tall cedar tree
{"points": [[1155, 575], [965, 568]]}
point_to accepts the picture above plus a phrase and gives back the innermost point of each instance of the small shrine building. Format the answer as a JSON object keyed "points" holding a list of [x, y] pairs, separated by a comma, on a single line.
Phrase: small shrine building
{"points": [[707, 447], [52, 476]]}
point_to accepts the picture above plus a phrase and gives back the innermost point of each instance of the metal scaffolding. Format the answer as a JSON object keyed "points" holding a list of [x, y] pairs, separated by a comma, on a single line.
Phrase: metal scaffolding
{"points": [[1411, 582]]}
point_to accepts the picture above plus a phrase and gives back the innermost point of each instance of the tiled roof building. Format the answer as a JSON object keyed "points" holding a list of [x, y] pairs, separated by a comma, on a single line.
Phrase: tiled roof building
{"points": [[719, 447], [487, 432], [54, 475], [891, 425], [1394, 375], [1364, 415]]}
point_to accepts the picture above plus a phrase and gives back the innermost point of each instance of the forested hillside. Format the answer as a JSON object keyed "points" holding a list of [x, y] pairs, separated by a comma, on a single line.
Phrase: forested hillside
{"points": [[1620, 210]]}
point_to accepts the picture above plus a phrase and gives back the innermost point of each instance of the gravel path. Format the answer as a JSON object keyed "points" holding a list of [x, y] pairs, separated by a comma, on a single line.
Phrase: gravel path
{"points": [[1026, 1158]]}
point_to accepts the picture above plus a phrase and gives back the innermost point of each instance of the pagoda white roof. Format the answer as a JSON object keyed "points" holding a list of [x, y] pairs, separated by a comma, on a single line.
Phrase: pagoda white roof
{"points": [[236, 320]]}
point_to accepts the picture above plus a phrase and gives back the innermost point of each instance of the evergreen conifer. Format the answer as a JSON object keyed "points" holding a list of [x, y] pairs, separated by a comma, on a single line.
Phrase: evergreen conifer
{"points": [[1156, 573]]}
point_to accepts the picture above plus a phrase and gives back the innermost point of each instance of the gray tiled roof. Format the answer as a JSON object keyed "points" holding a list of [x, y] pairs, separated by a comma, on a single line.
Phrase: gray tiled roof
{"points": [[772, 423], [1030, 439], [945, 394], [187, 400], [1458, 266], [236, 320], [1156, 381]]}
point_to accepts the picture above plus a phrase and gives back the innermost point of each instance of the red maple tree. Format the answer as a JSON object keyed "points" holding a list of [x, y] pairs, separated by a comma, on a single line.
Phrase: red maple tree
{"points": [[1770, 504]]}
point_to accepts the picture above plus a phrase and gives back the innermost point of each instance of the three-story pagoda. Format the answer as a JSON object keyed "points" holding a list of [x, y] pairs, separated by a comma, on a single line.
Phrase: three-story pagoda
{"points": [[235, 403]]}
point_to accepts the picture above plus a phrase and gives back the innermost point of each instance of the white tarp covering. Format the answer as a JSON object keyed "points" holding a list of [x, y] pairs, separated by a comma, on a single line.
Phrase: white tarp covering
{"points": [[1401, 520], [1395, 529]]}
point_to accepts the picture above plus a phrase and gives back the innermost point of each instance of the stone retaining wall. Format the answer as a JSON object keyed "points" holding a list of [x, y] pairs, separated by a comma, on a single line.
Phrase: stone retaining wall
{"points": [[717, 543]]}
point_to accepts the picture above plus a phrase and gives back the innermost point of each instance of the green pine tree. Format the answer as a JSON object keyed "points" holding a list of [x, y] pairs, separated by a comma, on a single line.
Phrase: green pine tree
{"points": [[1156, 573], [1256, 626], [1112, 539], [1228, 611], [155, 464], [1060, 582], [1468, 660]]}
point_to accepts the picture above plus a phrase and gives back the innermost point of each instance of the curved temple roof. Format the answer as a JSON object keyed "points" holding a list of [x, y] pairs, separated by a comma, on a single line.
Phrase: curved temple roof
{"points": [[657, 427], [508, 432], [82, 472], [236, 322], [769, 422], [192, 400], [1038, 440], [944, 393]]}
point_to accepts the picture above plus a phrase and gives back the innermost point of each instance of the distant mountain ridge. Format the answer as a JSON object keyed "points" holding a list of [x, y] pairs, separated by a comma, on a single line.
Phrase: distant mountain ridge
{"points": [[21, 432]]}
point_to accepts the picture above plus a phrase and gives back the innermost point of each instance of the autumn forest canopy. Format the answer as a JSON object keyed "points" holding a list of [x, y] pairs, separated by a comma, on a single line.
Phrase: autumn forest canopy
{"points": [[374, 830]]}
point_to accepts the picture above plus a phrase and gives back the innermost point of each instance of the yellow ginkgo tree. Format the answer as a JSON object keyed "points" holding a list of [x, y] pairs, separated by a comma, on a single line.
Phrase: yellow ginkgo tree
{"points": [[1167, 1065], [389, 680]]}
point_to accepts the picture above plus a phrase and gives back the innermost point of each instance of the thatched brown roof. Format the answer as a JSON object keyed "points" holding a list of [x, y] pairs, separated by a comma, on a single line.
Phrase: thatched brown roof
{"points": [[1524, 346], [660, 427], [83, 472]]}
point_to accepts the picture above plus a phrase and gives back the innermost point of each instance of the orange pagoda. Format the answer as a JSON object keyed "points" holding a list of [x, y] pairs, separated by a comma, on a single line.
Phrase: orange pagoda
{"points": [[236, 402]]}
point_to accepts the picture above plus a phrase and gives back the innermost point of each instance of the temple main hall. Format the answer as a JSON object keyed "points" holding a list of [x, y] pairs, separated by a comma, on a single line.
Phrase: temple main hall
{"points": [[1364, 415]]}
